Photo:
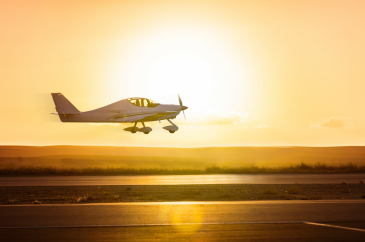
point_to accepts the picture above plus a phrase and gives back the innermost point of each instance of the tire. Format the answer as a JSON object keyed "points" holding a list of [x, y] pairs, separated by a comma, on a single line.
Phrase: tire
{"points": [[171, 131], [146, 132], [133, 132]]}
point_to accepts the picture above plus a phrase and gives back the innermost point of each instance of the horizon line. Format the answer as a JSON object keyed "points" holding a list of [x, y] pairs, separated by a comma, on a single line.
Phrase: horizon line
{"points": [[193, 147]]}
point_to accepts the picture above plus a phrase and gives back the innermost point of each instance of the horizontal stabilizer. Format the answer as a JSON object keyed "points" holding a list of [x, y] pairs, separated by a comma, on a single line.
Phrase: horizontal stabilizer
{"points": [[63, 105]]}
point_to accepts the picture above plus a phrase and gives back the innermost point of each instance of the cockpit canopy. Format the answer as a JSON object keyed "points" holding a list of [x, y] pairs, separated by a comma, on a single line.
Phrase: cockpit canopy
{"points": [[143, 102]]}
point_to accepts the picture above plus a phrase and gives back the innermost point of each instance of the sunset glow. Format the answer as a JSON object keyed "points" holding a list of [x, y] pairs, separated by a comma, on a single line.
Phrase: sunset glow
{"points": [[260, 73]]}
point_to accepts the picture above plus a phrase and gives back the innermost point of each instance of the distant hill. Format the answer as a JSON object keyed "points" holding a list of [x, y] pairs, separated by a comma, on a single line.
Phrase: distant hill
{"points": [[176, 157]]}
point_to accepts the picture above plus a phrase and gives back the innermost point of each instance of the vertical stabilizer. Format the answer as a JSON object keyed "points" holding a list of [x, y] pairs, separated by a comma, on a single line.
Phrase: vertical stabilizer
{"points": [[63, 105]]}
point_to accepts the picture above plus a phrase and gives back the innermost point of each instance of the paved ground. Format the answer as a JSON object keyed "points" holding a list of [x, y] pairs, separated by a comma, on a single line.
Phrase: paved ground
{"points": [[183, 179], [196, 221]]}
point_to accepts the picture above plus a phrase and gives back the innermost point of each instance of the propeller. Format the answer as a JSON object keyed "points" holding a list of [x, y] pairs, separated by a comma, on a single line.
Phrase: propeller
{"points": [[182, 107]]}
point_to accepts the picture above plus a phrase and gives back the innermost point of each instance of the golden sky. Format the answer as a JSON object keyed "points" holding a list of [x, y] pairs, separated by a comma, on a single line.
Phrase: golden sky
{"points": [[251, 72]]}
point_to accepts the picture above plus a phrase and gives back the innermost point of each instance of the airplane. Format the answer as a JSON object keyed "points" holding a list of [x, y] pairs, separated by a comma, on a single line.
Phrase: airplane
{"points": [[131, 110]]}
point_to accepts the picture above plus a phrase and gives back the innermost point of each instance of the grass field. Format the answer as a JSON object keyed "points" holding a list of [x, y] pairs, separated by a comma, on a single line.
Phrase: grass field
{"points": [[117, 171], [89, 160]]}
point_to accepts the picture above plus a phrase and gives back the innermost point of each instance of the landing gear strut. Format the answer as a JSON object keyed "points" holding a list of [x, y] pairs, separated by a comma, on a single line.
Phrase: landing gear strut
{"points": [[173, 128], [134, 130], [144, 128]]}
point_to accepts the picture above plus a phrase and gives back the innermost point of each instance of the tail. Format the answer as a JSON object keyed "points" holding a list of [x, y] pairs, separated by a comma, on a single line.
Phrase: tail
{"points": [[63, 105]]}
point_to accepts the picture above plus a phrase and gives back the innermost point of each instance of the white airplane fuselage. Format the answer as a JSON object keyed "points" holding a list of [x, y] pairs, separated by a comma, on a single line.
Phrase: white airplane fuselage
{"points": [[122, 111]]}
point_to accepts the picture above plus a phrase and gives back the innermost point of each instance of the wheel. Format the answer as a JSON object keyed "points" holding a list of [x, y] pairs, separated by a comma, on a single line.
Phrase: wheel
{"points": [[171, 131], [134, 131], [146, 132]]}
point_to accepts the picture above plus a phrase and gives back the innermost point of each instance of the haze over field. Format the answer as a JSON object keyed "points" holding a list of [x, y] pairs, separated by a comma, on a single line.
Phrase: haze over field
{"points": [[257, 73]]}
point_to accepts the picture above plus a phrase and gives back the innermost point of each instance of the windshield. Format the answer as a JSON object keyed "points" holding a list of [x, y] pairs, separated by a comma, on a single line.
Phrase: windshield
{"points": [[143, 102]]}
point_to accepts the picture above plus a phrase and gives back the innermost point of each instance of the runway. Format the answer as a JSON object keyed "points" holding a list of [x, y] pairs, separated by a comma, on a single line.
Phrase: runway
{"points": [[181, 179], [193, 221]]}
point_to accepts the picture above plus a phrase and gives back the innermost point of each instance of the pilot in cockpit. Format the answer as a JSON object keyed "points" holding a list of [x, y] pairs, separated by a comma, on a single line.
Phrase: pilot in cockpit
{"points": [[148, 103], [143, 102]]}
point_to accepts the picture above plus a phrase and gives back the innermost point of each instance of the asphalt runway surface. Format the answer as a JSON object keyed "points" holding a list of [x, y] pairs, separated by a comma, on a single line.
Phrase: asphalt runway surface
{"points": [[186, 221], [182, 179]]}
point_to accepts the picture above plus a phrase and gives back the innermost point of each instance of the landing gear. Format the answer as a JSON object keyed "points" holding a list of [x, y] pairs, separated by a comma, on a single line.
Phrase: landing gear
{"points": [[145, 130], [135, 129], [173, 128]]}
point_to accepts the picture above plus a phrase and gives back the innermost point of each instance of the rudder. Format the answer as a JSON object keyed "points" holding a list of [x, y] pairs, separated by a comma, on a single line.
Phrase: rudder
{"points": [[63, 105]]}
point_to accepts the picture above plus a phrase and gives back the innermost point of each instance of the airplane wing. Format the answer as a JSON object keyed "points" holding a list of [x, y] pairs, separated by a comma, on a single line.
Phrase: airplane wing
{"points": [[134, 118], [138, 118]]}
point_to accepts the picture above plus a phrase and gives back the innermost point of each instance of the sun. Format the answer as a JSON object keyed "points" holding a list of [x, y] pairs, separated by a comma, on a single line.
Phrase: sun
{"points": [[195, 62]]}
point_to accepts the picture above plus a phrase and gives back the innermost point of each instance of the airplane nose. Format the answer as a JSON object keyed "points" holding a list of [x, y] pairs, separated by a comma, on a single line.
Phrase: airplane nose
{"points": [[184, 107]]}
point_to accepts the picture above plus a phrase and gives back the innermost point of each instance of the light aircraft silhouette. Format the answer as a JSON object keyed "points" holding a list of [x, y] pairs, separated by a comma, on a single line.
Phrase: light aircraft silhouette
{"points": [[131, 110]]}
